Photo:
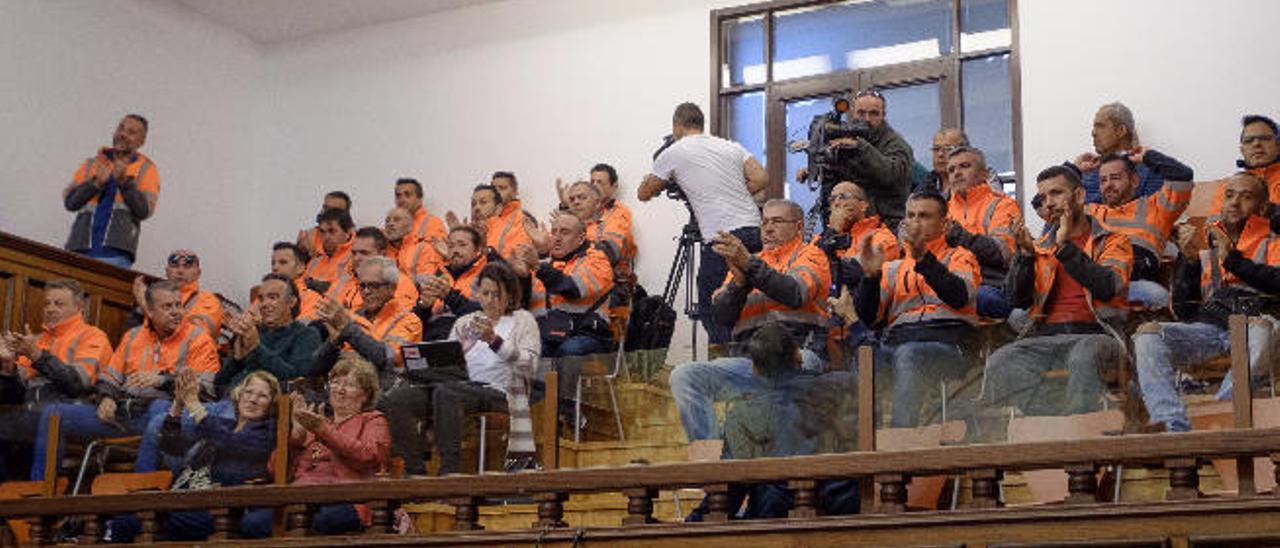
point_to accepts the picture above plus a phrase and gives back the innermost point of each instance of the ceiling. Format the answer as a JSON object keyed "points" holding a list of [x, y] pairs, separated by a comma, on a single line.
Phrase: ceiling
{"points": [[272, 21]]}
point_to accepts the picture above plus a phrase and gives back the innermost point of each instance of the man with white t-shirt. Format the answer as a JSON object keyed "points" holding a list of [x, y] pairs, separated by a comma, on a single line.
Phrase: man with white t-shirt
{"points": [[718, 178]]}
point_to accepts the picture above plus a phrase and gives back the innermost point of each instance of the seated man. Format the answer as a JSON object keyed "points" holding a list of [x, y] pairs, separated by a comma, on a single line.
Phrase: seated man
{"points": [[850, 216], [485, 203], [290, 261], [1074, 283], [375, 332], [414, 257], [327, 272], [58, 365], [1233, 274], [137, 383], [450, 293], [945, 140], [426, 227], [570, 290], [511, 226], [980, 219], [266, 338], [309, 238], [615, 213], [785, 283], [269, 337], [370, 242], [112, 193], [1147, 221], [202, 307], [1259, 155], [925, 304], [610, 234]]}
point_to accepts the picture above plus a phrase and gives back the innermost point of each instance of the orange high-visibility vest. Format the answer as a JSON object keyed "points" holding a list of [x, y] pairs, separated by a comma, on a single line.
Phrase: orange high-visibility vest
{"points": [[466, 283], [1147, 221], [1105, 248], [506, 230], [905, 296], [333, 269], [203, 308], [142, 350], [393, 325], [590, 271], [406, 294], [142, 169], [982, 210], [426, 227], [415, 258], [806, 264], [1256, 243], [73, 342], [881, 237]]}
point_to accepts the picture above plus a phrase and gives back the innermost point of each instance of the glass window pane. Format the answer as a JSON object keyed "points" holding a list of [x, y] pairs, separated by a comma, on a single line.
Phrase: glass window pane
{"points": [[915, 112], [744, 115], [858, 34], [984, 24], [742, 51], [988, 110]]}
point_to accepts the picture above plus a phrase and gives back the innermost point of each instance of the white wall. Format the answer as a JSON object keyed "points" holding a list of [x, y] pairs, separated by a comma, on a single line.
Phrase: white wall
{"points": [[1188, 69], [72, 69], [544, 88]]}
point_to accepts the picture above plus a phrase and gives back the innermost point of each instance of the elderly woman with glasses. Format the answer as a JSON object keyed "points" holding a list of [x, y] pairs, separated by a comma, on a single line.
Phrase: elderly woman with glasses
{"points": [[222, 451], [350, 444]]}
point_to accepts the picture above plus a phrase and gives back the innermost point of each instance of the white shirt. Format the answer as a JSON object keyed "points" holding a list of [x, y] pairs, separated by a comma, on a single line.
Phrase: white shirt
{"points": [[494, 368], [710, 172]]}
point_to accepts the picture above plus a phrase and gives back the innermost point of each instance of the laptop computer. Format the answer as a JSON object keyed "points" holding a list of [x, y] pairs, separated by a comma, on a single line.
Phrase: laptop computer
{"points": [[433, 355]]}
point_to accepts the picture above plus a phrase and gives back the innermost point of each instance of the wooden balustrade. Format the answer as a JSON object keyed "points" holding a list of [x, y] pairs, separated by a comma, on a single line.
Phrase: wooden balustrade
{"points": [[1179, 453], [26, 265]]}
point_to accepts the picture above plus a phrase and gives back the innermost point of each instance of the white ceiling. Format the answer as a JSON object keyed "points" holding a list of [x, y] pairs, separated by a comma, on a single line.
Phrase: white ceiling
{"points": [[272, 21]]}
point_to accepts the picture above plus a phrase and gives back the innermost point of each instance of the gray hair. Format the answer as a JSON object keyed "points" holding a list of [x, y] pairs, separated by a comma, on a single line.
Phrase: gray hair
{"points": [[1121, 115], [982, 157], [587, 184], [964, 138], [390, 272], [794, 208]]}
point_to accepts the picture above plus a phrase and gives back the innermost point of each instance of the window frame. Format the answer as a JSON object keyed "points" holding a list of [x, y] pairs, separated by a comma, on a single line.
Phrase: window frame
{"points": [[945, 69]]}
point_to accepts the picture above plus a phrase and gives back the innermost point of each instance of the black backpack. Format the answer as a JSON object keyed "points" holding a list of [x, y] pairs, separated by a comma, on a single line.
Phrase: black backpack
{"points": [[652, 322]]}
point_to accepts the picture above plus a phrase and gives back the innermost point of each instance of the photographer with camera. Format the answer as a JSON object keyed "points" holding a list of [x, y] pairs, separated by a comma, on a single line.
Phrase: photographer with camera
{"points": [[865, 149], [717, 178]]}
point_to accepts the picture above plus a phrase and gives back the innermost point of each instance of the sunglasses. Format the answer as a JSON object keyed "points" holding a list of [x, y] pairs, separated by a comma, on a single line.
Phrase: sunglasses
{"points": [[869, 93], [183, 260]]}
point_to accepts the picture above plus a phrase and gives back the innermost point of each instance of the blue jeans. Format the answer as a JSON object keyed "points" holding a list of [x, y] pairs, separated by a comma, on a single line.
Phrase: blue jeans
{"points": [[1149, 293], [992, 303], [149, 455], [697, 386], [111, 256], [330, 519], [711, 274], [918, 367], [1015, 374], [1159, 348], [80, 422], [195, 525]]}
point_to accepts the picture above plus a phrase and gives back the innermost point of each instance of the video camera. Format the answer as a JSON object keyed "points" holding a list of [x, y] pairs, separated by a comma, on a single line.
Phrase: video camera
{"points": [[824, 166], [672, 189]]}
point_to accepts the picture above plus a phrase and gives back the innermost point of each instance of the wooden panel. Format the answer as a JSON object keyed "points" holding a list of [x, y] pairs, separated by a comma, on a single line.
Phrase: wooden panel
{"points": [[25, 266]]}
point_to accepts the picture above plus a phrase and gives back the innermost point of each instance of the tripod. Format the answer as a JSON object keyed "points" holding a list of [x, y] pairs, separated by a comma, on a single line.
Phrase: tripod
{"points": [[682, 266]]}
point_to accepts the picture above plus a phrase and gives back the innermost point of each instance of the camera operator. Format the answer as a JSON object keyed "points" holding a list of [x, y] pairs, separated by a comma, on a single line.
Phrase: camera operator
{"points": [[879, 159], [717, 178]]}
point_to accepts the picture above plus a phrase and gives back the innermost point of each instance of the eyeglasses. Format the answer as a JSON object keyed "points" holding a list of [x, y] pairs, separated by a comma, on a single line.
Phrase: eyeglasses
{"points": [[370, 286], [183, 260]]}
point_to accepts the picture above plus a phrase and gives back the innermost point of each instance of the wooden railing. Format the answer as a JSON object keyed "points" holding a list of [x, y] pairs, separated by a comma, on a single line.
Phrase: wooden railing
{"points": [[26, 265], [1180, 454]]}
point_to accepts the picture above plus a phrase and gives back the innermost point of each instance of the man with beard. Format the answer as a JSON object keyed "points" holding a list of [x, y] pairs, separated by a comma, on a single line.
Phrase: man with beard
{"points": [[1114, 131], [112, 193], [450, 292]]}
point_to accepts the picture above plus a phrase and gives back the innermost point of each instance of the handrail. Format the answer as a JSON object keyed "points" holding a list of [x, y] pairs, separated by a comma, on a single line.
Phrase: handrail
{"points": [[1005, 457]]}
